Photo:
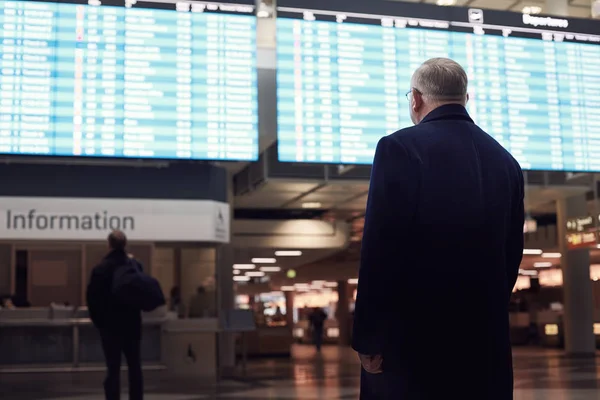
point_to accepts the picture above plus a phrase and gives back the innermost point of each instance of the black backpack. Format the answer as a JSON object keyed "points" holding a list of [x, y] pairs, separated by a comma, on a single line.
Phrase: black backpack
{"points": [[135, 289]]}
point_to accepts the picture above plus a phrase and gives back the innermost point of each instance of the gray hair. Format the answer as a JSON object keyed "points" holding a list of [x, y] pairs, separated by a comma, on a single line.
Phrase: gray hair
{"points": [[441, 79]]}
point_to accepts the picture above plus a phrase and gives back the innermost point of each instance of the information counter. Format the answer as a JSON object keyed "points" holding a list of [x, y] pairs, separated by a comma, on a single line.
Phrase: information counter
{"points": [[63, 339]]}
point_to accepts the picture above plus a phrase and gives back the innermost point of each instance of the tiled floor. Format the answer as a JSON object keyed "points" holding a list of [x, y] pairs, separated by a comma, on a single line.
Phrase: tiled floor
{"points": [[332, 375]]}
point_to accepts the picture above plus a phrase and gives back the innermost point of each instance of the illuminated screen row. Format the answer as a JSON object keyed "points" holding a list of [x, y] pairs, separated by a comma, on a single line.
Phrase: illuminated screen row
{"points": [[139, 79], [342, 80]]}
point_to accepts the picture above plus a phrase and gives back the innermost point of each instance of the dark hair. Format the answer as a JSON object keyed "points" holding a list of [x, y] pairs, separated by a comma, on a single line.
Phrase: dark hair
{"points": [[117, 240]]}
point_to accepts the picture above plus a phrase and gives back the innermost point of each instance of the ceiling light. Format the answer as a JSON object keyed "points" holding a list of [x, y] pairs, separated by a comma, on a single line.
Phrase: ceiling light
{"points": [[551, 255], [353, 281], [546, 264], [446, 2], [241, 278], [531, 10], [264, 260], [301, 285], [255, 274], [318, 283], [288, 253], [244, 266], [270, 269], [264, 11], [287, 288], [331, 284], [528, 272], [236, 272], [532, 252], [311, 204]]}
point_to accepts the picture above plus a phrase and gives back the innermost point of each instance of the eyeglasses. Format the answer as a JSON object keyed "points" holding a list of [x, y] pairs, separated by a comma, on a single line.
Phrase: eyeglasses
{"points": [[409, 93]]}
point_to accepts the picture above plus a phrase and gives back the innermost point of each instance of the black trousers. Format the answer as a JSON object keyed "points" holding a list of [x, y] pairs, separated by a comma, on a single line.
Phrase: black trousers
{"points": [[116, 344]]}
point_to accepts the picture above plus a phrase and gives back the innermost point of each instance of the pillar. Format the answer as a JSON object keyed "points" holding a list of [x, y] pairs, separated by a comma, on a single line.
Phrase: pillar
{"points": [[557, 7], [578, 318], [595, 8], [225, 289], [343, 313], [289, 309]]}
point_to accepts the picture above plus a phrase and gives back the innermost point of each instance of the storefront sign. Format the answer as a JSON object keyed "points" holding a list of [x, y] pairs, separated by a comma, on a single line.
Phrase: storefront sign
{"points": [[581, 240], [581, 224], [581, 232], [48, 218]]}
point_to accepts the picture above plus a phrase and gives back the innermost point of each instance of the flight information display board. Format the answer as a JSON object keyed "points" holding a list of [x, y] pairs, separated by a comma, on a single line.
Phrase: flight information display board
{"points": [[128, 79], [534, 82]]}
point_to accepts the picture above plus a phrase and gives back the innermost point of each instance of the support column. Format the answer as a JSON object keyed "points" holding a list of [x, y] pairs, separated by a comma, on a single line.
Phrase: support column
{"points": [[343, 313], [557, 7], [225, 290], [289, 309], [578, 319]]}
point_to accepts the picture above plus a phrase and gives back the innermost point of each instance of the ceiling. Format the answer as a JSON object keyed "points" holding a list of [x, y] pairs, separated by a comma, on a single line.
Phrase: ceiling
{"points": [[298, 194]]}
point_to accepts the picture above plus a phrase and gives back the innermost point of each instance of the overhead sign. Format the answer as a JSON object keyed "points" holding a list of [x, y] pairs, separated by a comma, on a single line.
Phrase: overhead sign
{"points": [[581, 224], [581, 232], [49, 218]]}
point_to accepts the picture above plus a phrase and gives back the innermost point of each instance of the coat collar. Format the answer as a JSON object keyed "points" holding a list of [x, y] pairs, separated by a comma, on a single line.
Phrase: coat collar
{"points": [[448, 112]]}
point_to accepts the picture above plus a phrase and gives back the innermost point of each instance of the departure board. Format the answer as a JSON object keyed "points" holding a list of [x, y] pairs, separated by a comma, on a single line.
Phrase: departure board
{"points": [[534, 84], [129, 79]]}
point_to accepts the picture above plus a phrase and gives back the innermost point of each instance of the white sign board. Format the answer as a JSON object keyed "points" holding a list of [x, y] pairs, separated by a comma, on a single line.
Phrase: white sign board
{"points": [[50, 218]]}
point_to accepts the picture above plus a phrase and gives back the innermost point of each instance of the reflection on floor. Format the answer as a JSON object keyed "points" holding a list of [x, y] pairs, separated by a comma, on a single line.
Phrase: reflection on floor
{"points": [[332, 375]]}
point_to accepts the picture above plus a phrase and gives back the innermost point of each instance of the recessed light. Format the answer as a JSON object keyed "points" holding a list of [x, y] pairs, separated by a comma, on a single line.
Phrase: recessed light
{"points": [[532, 252], [288, 253], [531, 9], [551, 255], [446, 2], [270, 269], [526, 272], [311, 204], [255, 274], [244, 266], [542, 264], [302, 286], [353, 281], [241, 278], [264, 260]]}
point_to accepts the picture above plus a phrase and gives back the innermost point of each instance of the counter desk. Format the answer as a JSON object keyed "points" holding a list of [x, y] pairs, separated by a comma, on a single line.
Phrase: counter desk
{"points": [[63, 340], [67, 339]]}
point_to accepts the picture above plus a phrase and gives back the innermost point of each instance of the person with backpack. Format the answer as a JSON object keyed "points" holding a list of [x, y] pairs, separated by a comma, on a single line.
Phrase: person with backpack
{"points": [[117, 293]]}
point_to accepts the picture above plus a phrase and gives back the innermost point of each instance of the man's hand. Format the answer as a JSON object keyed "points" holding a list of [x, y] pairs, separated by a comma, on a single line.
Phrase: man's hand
{"points": [[371, 364]]}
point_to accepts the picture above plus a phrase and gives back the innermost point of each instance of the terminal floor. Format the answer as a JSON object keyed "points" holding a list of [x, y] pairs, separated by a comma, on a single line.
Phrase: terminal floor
{"points": [[331, 375]]}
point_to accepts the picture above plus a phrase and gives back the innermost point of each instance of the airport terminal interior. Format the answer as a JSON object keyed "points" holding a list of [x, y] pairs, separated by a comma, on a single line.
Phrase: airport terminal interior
{"points": [[232, 142]]}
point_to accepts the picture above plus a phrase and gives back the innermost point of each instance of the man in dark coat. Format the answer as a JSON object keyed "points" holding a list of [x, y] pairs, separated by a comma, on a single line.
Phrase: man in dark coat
{"points": [[120, 327], [442, 245]]}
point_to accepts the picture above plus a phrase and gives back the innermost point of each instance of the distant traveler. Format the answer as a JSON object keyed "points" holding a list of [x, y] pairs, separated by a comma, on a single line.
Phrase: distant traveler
{"points": [[317, 322], [117, 293], [200, 304], [442, 245]]}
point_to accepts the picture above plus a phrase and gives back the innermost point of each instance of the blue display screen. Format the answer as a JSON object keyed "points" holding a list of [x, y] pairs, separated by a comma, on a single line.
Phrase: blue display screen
{"points": [[134, 82], [342, 85]]}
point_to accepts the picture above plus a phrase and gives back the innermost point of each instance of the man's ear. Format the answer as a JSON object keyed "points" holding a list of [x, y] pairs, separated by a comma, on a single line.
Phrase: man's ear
{"points": [[417, 102]]}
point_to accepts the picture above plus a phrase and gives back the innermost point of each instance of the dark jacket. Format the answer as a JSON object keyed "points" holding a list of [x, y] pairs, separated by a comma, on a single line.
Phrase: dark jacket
{"points": [[442, 244], [106, 313]]}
